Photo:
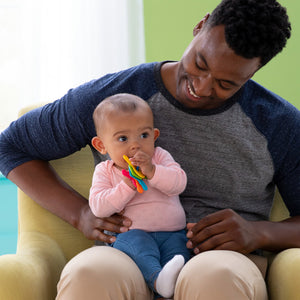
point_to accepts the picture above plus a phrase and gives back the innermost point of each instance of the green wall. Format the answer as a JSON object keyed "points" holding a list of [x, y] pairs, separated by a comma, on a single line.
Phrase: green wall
{"points": [[169, 29]]}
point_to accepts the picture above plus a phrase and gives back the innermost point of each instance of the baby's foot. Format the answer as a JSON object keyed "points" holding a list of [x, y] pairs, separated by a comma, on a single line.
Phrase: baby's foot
{"points": [[166, 280]]}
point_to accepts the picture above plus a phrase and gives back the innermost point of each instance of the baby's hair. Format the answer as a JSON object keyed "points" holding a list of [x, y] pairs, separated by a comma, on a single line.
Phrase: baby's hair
{"points": [[253, 28], [118, 102]]}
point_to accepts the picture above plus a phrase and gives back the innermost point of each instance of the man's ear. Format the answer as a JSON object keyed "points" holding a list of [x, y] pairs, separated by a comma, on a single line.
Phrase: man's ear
{"points": [[98, 145], [198, 27], [156, 133]]}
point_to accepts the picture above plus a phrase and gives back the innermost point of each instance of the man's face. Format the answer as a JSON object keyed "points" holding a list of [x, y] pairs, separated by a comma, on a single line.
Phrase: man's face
{"points": [[210, 72]]}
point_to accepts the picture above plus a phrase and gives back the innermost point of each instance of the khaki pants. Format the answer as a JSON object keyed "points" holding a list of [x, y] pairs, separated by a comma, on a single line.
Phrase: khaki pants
{"points": [[105, 273]]}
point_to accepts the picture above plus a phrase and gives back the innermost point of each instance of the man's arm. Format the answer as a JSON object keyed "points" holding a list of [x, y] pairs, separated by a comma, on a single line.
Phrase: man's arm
{"points": [[226, 230], [39, 180]]}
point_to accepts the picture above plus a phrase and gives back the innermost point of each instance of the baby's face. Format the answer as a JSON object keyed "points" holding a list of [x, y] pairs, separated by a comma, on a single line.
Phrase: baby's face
{"points": [[126, 133]]}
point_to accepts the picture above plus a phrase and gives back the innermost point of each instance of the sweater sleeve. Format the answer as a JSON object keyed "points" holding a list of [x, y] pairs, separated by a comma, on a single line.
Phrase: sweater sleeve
{"points": [[106, 197], [65, 126], [169, 177], [50, 132]]}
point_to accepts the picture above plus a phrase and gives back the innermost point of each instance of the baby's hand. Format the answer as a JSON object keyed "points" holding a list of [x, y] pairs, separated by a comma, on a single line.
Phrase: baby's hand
{"points": [[129, 183], [144, 161]]}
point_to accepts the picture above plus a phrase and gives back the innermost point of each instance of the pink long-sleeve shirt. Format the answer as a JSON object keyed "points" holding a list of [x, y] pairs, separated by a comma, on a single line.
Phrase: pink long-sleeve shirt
{"points": [[157, 209]]}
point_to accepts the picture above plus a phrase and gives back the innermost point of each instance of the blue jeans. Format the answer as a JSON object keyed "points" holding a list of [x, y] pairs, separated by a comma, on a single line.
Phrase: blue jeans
{"points": [[152, 250]]}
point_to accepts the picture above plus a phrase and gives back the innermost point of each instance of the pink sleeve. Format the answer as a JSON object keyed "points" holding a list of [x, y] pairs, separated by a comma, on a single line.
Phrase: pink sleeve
{"points": [[169, 178], [106, 199]]}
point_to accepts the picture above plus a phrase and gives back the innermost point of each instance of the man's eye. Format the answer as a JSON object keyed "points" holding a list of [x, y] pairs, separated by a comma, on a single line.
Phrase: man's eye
{"points": [[199, 67], [122, 138], [144, 135], [225, 85]]}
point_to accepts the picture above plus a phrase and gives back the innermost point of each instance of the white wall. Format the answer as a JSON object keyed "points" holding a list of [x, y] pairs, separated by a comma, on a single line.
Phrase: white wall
{"points": [[54, 45]]}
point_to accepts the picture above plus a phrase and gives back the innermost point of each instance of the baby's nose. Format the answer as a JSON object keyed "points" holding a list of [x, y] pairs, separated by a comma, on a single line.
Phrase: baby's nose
{"points": [[135, 146]]}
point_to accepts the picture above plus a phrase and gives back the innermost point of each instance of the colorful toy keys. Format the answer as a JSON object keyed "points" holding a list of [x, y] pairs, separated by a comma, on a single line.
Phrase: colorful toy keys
{"points": [[135, 176]]}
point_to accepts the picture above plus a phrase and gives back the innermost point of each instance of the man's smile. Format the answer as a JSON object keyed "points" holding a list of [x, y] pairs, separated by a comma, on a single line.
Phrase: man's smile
{"points": [[191, 92]]}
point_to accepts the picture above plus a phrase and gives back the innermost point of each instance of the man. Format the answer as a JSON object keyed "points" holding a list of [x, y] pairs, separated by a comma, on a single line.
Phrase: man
{"points": [[235, 140]]}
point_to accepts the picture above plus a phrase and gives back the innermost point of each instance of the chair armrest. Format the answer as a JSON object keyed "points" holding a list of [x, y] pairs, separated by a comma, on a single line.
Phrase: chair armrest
{"points": [[34, 271], [284, 274]]}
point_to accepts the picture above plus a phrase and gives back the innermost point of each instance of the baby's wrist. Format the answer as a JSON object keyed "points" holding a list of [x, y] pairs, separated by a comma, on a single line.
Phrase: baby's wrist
{"points": [[129, 183], [151, 173]]}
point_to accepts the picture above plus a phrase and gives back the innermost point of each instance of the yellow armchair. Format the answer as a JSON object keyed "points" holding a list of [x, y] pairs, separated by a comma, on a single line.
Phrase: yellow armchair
{"points": [[46, 243], [284, 267]]}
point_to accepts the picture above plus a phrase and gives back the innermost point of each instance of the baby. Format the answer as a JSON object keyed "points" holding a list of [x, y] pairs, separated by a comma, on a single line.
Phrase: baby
{"points": [[157, 239]]}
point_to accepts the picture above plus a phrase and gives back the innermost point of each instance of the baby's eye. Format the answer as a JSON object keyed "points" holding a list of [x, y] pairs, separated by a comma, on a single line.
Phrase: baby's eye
{"points": [[144, 135], [122, 138]]}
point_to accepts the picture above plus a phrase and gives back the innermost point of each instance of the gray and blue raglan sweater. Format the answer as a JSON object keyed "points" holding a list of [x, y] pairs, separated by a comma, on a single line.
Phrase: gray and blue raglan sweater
{"points": [[234, 155]]}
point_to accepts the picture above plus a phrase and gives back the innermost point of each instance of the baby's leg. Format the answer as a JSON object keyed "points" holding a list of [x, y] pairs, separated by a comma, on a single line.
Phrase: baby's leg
{"points": [[142, 248], [151, 251]]}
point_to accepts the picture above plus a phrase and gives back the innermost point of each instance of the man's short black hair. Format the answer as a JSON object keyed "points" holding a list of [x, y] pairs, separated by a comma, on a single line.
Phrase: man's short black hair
{"points": [[253, 28]]}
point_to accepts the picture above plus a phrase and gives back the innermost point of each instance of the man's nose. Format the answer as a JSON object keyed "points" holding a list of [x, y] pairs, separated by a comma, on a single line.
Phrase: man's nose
{"points": [[203, 85]]}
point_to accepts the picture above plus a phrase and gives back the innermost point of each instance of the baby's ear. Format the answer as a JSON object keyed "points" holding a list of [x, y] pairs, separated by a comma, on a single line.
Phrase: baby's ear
{"points": [[98, 145], [156, 133]]}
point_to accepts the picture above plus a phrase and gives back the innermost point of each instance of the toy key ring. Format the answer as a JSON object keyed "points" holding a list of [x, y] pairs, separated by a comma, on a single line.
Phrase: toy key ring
{"points": [[132, 166], [133, 180], [138, 180], [135, 176]]}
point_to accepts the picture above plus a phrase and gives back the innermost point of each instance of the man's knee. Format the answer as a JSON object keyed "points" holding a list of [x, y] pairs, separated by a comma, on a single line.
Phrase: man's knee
{"points": [[101, 271], [220, 275]]}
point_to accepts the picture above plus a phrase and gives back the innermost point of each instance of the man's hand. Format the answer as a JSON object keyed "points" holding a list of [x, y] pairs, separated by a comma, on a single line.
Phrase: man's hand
{"points": [[58, 197], [93, 227], [223, 230]]}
